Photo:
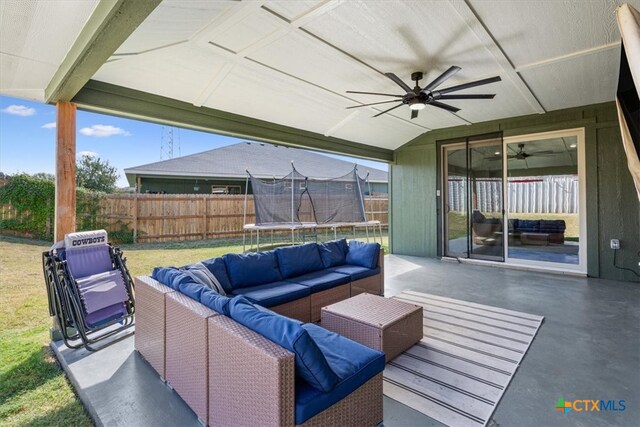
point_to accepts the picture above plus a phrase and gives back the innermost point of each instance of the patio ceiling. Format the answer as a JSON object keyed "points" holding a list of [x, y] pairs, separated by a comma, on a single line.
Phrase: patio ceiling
{"points": [[290, 63]]}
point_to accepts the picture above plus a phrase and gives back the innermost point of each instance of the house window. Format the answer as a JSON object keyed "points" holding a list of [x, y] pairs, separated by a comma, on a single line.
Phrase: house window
{"points": [[225, 189]]}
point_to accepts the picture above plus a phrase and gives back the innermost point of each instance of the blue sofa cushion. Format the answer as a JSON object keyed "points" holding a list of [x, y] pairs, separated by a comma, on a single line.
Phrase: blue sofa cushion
{"points": [[528, 226], [252, 269], [215, 301], [363, 254], [353, 363], [218, 268], [311, 365], [273, 294], [321, 280], [355, 272], [333, 253], [552, 226], [192, 289], [170, 276], [297, 260]]}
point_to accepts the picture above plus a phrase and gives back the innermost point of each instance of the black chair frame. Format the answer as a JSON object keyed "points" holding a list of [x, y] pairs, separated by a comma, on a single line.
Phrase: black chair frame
{"points": [[66, 306]]}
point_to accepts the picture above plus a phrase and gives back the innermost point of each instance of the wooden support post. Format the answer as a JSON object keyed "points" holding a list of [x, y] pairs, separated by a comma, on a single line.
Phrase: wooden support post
{"points": [[65, 196], [65, 206]]}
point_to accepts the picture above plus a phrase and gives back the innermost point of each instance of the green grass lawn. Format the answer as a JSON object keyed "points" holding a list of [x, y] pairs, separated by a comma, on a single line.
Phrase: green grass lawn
{"points": [[33, 389]]}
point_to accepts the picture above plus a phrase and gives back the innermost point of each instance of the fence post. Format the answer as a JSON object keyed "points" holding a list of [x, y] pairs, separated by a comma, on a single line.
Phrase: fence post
{"points": [[204, 218], [135, 218]]}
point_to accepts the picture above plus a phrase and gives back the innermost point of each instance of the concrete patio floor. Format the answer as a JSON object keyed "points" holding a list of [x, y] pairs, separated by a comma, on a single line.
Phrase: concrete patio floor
{"points": [[588, 348]]}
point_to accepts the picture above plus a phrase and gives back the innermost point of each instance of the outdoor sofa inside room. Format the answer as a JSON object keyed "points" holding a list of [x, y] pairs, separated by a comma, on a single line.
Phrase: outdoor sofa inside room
{"points": [[235, 336]]}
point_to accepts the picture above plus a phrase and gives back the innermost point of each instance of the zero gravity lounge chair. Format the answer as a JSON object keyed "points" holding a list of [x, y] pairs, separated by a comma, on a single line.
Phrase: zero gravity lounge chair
{"points": [[89, 288]]}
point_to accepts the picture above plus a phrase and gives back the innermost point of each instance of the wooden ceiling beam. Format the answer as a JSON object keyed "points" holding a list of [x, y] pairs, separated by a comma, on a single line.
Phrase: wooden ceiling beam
{"points": [[110, 24]]}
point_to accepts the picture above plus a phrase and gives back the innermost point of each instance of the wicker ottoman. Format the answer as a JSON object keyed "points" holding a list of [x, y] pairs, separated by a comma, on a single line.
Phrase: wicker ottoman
{"points": [[387, 325]]}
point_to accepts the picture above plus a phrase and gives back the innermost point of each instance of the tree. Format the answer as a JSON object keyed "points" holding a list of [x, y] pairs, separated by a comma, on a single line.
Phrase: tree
{"points": [[44, 175], [95, 174]]}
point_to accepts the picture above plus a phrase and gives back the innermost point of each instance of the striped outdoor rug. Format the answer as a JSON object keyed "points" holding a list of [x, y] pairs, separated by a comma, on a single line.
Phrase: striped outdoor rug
{"points": [[459, 371]]}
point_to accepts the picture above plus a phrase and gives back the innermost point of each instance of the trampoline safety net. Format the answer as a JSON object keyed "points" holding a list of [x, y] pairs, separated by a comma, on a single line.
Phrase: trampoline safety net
{"points": [[297, 199]]}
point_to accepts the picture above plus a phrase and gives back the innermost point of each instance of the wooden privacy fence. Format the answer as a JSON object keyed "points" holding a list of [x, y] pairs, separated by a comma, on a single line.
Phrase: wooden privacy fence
{"points": [[165, 217]]}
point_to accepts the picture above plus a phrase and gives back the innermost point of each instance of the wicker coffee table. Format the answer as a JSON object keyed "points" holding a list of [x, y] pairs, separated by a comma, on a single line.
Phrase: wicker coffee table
{"points": [[385, 324]]}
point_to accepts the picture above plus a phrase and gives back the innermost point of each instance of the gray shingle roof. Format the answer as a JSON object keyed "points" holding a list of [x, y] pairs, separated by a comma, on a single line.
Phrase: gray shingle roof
{"points": [[261, 159]]}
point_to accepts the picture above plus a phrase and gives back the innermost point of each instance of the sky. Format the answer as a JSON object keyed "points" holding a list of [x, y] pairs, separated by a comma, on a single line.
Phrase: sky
{"points": [[27, 139]]}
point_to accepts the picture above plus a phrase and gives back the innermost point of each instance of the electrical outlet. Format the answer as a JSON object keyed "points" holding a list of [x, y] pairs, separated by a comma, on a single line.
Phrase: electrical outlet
{"points": [[615, 244]]}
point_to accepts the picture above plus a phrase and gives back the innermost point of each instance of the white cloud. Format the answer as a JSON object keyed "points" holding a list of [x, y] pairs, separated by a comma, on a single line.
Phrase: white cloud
{"points": [[51, 125], [19, 110], [81, 154], [101, 131]]}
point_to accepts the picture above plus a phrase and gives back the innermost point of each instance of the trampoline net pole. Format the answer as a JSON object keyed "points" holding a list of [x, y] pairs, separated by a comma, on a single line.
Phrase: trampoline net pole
{"points": [[360, 195], [293, 175]]}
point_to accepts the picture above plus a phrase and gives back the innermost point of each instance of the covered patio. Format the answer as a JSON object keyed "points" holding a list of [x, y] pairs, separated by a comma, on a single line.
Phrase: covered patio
{"points": [[310, 75], [582, 350]]}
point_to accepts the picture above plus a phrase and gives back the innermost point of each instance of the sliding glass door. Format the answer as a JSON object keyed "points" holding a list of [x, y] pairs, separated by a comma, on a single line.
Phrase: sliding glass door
{"points": [[520, 200], [456, 197], [472, 187], [545, 200]]}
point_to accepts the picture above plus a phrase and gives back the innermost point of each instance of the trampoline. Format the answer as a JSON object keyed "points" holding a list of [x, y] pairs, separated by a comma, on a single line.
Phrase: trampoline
{"points": [[304, 206]]}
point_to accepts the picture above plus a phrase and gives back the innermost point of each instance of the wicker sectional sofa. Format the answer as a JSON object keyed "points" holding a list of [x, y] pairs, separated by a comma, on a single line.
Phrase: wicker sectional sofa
{"points": [[229, 371]]}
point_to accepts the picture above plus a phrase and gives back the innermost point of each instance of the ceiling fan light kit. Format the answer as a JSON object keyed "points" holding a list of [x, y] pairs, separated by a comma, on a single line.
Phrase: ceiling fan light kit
{"points": [[418, 98]]}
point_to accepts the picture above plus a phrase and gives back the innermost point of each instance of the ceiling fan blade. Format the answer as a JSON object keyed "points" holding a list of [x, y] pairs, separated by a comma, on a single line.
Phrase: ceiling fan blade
{"points": [[444, 106], [386, 111], [441, 78], [470, 96], [470, 84], [414, 114], [545, 152], [399, 82], [374, 93], [373, 103]]}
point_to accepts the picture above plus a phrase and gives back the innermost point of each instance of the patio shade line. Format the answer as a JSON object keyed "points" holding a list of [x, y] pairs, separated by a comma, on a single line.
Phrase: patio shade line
{"points": [[117, 100], [439, 402], [460, 316], [476, 330], [480, 307], [442, 383], [465, 312], [466, 347], [465, 359], [479, 323], [456, 371], [433, 328]]}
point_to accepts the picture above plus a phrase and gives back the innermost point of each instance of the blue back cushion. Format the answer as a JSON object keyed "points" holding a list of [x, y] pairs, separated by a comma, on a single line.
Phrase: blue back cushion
{"points": [[252, 269], [552, 226], [311, 364], [218, 268], [333, 253], [526, 225], [298, 260], [170, 276], [363, 254], [192, 289], [215, 301]]}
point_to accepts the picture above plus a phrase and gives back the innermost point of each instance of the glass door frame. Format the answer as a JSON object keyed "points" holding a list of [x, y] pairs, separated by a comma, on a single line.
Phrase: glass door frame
{"points": [[579, 133], [466, 144]]}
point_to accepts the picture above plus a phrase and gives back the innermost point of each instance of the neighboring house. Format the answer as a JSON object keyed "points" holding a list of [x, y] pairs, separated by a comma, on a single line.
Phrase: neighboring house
{"points": [[223, 170]]}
